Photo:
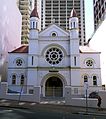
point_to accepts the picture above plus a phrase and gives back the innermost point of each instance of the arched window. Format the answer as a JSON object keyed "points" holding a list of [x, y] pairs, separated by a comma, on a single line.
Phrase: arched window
{"points": [[94, 80], [13, 79], [71, 25], [32, 60], [75, 61], [33, 25], [22, 80], [85, 78], [36, 25], [74, 24]]}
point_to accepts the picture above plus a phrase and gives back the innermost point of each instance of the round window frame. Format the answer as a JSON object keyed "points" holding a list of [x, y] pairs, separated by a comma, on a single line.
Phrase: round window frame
{"points": [[17, 62], [89, 63], [53, 33], [54, 55]]}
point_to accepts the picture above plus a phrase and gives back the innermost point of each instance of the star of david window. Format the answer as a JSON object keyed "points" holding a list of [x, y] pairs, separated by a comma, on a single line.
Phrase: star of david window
{"points": [[19, 62], [54, 56], [89, 63]]}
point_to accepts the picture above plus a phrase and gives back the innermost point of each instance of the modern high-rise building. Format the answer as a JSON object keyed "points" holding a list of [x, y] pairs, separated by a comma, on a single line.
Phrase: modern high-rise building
{"points": [[59, 12], [25, 7], [99, 12]]}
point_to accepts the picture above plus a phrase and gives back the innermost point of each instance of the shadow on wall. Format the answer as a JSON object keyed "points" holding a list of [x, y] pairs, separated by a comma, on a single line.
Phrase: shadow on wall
{"points": [[3, 71]]}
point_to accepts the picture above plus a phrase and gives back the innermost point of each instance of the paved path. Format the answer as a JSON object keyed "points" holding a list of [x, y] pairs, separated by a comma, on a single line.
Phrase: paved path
{"points": [[53, 105], [15, 113]]}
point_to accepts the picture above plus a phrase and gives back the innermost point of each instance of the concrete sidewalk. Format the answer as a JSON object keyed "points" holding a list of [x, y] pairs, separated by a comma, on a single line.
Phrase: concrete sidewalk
{"points": [[52, 106]]}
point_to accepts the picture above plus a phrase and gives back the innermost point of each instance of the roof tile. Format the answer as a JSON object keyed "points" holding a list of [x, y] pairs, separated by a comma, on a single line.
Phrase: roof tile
{"points": [[22, 49], [73, 13], [34, 13]]}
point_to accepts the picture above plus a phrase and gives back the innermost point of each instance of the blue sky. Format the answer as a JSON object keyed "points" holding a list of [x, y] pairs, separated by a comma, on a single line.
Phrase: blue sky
{"points": [[89, 18]]}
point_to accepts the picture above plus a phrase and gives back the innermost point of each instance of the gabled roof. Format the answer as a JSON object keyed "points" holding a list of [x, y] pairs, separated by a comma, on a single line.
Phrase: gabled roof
{"points": [[34, 13], [82, 49], [49, 27], [86, 49], [73, 13], [21, 49]]}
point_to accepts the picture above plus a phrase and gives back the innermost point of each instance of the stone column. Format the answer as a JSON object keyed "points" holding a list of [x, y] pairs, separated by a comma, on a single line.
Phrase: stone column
{"points": [[3, 89], [37, 94], [68, 95]]}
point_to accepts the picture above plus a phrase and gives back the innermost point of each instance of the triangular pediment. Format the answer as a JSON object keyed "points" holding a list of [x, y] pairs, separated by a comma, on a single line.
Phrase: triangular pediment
{"points": [[54, 29]]}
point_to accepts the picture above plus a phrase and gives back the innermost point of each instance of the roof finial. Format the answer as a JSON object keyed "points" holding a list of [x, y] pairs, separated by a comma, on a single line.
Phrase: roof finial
{"points": [[73, 12], [53, 21], [35, 4], [73, 3], [34, 12]]}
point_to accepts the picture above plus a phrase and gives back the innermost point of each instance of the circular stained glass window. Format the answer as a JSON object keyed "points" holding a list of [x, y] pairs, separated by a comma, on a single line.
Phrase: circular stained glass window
{"points": [[54, 56], [89, 63], [19, 62]]}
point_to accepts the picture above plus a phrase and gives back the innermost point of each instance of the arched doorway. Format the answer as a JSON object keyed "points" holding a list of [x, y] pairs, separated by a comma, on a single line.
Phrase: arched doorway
{"points": [[53, 87]]}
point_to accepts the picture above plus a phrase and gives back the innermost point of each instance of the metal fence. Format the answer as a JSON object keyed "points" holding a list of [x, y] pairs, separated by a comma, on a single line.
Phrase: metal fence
{"points": [[54, 91], [81, 90]]}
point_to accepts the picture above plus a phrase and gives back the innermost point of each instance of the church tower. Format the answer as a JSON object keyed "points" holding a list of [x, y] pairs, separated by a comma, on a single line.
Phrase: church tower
{"points": [[74, 39], [74, 48], [33, 42], [33, 51], [34, 19]]}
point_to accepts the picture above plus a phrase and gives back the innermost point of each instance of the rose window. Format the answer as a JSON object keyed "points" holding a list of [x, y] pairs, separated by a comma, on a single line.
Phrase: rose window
{"points": [[89, 63], [19, 62], [54, 56]]}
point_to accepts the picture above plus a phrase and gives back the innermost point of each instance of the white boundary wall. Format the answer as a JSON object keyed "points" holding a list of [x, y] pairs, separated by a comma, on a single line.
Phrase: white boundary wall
{"points": [[35, 97], [91, 102]]}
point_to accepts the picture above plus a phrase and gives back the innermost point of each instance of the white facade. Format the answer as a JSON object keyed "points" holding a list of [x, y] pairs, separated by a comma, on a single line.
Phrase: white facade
{"points": [[10, 31], [53, 60]]}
